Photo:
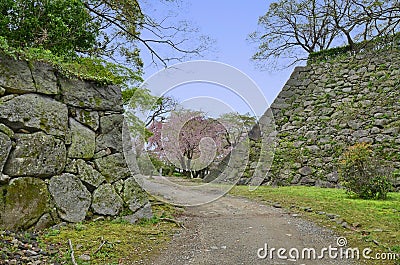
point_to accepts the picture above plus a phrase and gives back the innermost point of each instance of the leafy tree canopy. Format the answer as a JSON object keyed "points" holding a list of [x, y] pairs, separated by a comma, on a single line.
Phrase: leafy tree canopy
{"points": [[102, 29], [63, 27]]}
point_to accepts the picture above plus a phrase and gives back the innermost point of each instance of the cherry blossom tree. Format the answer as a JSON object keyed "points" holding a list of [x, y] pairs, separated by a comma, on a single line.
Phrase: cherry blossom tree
{"points": [[189, 140]]}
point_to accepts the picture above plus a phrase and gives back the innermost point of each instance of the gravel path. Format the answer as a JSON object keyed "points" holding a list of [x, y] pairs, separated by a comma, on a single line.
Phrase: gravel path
{"points": [[231, 230], [24, 248]]}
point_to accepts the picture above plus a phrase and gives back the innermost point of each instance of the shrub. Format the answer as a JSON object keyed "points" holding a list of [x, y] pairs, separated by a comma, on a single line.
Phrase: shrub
{"points": [[363, 174]]}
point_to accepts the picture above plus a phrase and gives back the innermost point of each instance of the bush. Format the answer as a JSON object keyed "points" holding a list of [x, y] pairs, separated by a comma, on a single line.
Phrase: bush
{"points": [[363, 174]]}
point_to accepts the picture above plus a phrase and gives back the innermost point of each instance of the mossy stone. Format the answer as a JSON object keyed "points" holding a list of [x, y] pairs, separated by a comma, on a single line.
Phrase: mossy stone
{"points": [[15, 76], [5, 147], [113, 167], [7, 131], [33, 111], [71, 197], [88, 174], [111, 133], [83, 141], [45, 79], [36, 154], [134, 196], [84, 94], [86, 117], [23, 202], [106, 201]]}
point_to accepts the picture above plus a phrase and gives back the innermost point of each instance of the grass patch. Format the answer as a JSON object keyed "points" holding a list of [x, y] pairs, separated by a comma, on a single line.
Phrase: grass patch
{"points": [[378, 221], [122, 242]]}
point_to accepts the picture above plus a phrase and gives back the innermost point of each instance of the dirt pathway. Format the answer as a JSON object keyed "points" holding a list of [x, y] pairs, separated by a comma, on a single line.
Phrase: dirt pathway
{"points": [[231, 230]]}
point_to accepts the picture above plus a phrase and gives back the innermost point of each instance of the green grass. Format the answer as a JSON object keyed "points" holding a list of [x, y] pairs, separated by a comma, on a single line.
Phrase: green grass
{"points": [[378, 220], [125, 243]]}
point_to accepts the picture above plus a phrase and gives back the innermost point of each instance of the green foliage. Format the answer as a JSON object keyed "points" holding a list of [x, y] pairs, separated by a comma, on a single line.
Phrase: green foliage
{"points": [[154, 220], [337, 52], [157, 163], [362, 174], [177, 174], [77, 36], [63, 27], [80, 227], [103, 71], [96, 28], [327, 54], [86, 68], [71, 35], [167, 169], [236, 125], [51, 232]]}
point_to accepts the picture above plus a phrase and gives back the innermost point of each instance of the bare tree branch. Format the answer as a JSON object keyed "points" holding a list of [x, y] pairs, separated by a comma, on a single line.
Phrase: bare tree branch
{"points": [[124, 24], [294, 29]]}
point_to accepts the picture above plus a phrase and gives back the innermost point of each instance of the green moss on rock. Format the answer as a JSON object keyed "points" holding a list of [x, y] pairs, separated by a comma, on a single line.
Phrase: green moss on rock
{"points": [[113, 167], [83, 141], [134, 196], [23, 202]]}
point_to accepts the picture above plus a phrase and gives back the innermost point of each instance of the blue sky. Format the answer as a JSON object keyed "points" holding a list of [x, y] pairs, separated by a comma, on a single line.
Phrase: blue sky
{"points": [[228, 23]]}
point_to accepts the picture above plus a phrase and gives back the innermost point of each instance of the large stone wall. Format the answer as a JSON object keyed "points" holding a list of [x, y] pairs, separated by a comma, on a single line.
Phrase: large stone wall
{"points": [[327, 106], [61, 155]]}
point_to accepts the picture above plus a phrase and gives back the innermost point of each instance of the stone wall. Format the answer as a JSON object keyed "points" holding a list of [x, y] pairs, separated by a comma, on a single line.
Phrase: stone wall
{"points": [[327, 106], [61, 155]]}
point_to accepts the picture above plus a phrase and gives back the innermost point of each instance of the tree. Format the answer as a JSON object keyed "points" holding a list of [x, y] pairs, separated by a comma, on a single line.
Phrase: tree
{"points": [[236, 126], [125, 25], [163, 105], [63, 27], [363, 20], [113, 30], [292, 29], [189, 140]]}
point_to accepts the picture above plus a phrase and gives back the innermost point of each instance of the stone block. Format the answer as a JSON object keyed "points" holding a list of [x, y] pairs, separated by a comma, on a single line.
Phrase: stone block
{"points": [[71, 197], [34, 112], [23, 202], [36, 154], [83, 141]]}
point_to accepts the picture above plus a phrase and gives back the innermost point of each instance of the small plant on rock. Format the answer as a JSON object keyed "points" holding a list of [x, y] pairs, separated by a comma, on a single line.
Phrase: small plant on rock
{"points": [[363, 174]]}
